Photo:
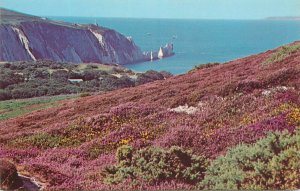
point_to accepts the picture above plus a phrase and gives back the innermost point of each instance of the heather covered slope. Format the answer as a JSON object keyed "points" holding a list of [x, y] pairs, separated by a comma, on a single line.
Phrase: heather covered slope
{"points": [[207, 111]]}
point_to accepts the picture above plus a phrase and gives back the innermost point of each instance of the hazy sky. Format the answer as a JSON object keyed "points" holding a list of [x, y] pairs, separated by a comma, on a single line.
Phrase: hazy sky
{"points": [[207, 9]]}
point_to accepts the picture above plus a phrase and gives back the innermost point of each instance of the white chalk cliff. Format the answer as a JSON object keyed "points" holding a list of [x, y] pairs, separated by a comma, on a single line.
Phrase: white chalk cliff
{"points": [[24, 37]]}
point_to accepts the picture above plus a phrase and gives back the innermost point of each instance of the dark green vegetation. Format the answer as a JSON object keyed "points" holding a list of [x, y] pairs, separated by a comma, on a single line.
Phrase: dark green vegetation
{"points": [[45, 78], [207, 65], [271, 163], [155, 165]]}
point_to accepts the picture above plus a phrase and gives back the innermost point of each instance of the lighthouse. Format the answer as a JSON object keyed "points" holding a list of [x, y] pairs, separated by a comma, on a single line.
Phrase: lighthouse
{"points": [[151, 56]]}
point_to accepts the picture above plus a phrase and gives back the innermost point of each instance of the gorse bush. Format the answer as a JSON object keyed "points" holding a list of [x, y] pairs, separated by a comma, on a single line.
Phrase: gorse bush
{"points": [[271, 163], [124, 155], [207, 65], [150, 76], [85, 94], [154, 165], [45, 140]]}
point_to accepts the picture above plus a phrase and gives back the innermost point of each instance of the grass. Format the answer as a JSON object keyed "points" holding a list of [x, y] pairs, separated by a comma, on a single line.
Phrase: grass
{"points": [[101, 67], [14, 108], [85, 67], [282, 53], [53, 70]]}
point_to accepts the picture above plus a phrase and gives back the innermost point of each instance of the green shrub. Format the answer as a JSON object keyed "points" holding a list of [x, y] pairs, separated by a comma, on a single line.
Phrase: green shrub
{"points": [[282, 53], [85, 94], [202, 66], [45, 78], [154, 165], [4, 95], [95, 150], [149, 76], [271, 163], [124, 155]]}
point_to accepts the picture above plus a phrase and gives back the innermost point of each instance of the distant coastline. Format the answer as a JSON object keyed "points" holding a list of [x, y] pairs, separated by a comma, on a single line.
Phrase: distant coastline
{"points": [[284, 18]]}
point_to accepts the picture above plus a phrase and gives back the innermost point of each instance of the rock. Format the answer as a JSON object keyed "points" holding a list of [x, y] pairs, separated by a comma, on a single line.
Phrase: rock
{"points": [[26, 38], [9, 178], [163, 52]]}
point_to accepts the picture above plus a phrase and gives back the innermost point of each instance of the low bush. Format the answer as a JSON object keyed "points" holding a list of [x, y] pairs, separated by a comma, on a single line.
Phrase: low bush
{"points": [[207, 65], [270, 164], [155, 165], [85, 94], [43, 78], [4, 94], [149, 76]]}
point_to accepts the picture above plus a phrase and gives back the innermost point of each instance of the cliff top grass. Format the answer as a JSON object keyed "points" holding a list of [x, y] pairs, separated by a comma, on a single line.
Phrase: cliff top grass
{"points": [[12, 17], [15, 18]]}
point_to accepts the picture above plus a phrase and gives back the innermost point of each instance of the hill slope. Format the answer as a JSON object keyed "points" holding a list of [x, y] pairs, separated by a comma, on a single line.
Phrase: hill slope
{"points": [[208, 111]]}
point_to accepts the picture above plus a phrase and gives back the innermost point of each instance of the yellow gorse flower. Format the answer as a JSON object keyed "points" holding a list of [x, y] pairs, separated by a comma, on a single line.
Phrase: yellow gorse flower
{"points": [[294, 116]]}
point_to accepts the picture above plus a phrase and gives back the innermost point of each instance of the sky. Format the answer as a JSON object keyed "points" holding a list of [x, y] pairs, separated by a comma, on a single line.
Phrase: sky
{"points": [[182, 9]]}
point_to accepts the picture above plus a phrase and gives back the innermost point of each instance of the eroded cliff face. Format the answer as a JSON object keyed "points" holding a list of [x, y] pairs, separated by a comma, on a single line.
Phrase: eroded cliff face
{"points": [[64, 43], [11, 48], [25, 38]]}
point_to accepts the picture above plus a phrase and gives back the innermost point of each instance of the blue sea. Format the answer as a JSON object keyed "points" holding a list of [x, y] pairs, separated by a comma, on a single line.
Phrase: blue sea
{"points": [[199, 41]]}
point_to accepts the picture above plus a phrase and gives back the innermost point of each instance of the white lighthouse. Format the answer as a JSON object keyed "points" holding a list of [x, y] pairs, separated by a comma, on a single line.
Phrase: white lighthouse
{"points": [[151, 56]]}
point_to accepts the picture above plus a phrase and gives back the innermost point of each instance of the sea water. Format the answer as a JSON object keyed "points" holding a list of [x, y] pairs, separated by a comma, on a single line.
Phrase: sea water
{"points": [[198, 41]]}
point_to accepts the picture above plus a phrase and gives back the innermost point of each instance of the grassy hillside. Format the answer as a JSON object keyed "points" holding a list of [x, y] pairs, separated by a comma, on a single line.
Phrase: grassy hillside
{"points": [[11, 17], [222, 126]]}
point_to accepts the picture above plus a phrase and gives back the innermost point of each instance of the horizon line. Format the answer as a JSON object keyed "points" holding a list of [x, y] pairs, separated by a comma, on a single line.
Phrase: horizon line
{"points": [[177, 18], [167, 18]]}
